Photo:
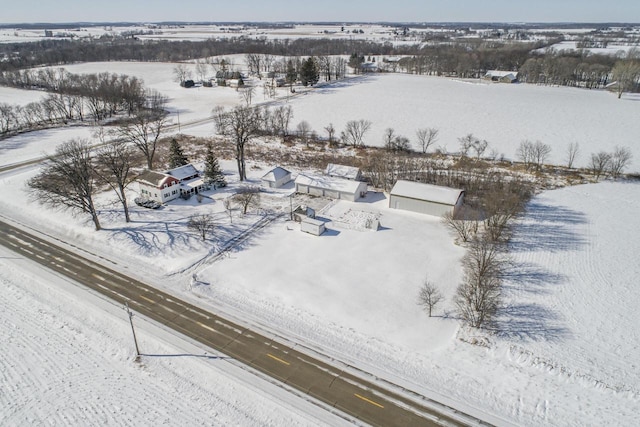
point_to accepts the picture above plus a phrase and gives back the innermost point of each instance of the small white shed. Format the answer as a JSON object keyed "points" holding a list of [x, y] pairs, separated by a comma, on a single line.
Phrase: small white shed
{"points": [[277, 177], [425, 198], [312, 226], [336, 188]]}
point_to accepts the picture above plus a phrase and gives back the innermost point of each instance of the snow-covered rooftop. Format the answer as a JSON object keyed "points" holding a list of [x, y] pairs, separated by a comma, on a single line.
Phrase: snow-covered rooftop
{"points": [[329, 183], [342, 171], [156, 179], [183, 172], [275, 174], [421, 191]]}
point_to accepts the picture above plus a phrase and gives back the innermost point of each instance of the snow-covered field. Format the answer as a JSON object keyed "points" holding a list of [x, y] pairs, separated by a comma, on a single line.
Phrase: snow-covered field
{"points": [[566, 350], [502, 114]]}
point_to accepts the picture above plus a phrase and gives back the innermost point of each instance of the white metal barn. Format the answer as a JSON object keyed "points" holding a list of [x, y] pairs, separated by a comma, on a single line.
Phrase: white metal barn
{"points": [[336, 188], [425, 198], [277, 177]]}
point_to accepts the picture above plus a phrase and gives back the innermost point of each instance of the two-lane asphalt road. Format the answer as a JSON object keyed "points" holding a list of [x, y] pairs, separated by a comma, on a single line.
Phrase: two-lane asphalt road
{"points": [[353, 395]]}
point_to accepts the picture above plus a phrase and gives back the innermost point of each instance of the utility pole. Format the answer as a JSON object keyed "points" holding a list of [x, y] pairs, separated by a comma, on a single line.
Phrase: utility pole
{"points": [[135, 340]]}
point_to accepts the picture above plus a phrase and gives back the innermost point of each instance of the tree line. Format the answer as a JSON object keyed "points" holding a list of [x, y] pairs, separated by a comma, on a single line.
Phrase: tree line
{"points": [[72, 97], [464, 58]]}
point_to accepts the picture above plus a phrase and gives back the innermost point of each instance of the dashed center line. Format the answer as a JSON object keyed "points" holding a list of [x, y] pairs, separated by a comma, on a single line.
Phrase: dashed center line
{"points": [[369, 401], [147, 299], [278, 359]]}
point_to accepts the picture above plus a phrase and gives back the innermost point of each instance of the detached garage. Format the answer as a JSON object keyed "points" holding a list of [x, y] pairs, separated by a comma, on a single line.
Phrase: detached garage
{"points": [[425, 198], [336, 188]]}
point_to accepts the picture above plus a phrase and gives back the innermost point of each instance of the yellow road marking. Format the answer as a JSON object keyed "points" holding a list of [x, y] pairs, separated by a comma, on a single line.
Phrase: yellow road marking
{"points": [[147, 299], [206, 327], [278, 359], [369, 401]]}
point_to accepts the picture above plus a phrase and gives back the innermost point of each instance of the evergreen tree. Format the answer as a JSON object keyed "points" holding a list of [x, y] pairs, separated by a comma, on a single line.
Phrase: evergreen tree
{"points": [[176, 156], [309, 73], [291, 74], [212, 171]]}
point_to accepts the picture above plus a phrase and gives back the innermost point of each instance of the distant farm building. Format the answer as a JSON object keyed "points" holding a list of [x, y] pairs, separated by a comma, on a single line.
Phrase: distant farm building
{"points": [[169, 185], [336, 188], [342, 171], [277, 177], [502, 76], [425, 198]]}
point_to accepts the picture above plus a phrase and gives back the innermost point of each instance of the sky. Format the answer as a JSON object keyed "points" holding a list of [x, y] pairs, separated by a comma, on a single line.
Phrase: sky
{"points": [[28, 11]]}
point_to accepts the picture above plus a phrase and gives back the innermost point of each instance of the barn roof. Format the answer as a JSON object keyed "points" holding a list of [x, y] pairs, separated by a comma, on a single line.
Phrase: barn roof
{"points": [[500, 73], [275, 174], [342, 171], [427, 192], [153, 178], [183, 172], [329, 183]]}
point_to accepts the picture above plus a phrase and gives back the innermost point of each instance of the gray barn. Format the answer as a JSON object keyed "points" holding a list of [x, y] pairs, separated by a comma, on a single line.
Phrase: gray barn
{"points": [[425, 198]]}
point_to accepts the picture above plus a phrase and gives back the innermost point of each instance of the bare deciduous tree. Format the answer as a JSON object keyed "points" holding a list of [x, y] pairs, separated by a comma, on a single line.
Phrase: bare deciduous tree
{"points": [[429, 296], [572, 154], [202, 224], [242, 124], [427, 137], [354, 132], [599, 163], [465, 225], [67, 180], [331, 132], [280, 120], [478, 297], [304, 131], [246, 94], [248, 196], [533, 154], [146, 126], [620, 159], [228, 206], [114, 168], [181, 73]]}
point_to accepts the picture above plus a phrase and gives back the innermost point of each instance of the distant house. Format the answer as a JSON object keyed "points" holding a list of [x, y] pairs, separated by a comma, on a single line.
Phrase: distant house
{"points": [[342, 171], [501, 76], [169, 185], [425, 198], [337, 188], [277, 177]]}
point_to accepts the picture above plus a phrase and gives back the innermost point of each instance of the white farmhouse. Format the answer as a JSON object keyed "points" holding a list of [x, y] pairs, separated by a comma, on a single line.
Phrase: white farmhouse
{"points": [[337, 188], [169, 185], [425, 198], [158, 186], [277, 177], [342, 171]]}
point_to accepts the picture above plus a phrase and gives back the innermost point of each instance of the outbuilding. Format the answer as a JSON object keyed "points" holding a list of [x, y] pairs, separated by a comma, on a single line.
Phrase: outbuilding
{"points": [[312, 226], [277, 177], [336, 188], [425, 198]]}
